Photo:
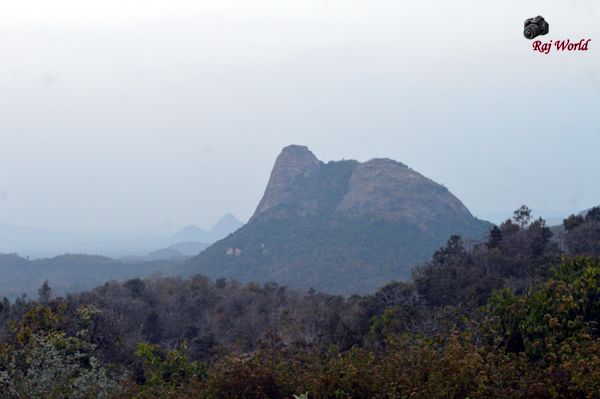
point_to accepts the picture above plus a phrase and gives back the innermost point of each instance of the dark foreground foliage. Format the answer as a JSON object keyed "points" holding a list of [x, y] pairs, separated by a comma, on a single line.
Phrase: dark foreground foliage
{"points": [[510, 318]]}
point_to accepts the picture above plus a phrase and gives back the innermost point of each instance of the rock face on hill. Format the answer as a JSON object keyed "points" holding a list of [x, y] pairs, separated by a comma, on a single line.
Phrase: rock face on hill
{"points": [[395, 192], [295, 162], [342, 227]]}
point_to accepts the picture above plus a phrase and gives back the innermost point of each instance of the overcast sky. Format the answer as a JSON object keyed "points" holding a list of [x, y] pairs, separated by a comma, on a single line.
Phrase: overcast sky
{"points": [[142, 115]]}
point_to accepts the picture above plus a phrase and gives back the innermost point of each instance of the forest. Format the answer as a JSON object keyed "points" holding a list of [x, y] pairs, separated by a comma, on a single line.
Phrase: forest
{"points": [[513, 316]]}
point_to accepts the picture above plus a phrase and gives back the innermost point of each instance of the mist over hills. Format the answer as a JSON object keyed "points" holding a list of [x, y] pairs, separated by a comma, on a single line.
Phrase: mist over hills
{"points": [[342, 227], [45, 243], [39, 243], [28, 257]]}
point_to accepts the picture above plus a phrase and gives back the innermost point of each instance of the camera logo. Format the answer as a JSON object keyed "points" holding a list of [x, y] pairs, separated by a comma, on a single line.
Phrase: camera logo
{"points": [[538, 26], [535, 27]]}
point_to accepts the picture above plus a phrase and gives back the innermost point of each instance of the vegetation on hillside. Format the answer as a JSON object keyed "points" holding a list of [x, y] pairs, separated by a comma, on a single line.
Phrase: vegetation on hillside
{"points": [[516, 316]]}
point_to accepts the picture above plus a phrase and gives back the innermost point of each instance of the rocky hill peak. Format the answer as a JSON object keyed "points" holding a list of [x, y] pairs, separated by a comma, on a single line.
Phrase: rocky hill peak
{"points": [[380, 187], [294, 161], [341, 226]]}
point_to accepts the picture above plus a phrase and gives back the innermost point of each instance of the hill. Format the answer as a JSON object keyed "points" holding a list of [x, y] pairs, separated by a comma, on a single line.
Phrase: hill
{"points": [[341, 227], [224, 226], [66, 273]]}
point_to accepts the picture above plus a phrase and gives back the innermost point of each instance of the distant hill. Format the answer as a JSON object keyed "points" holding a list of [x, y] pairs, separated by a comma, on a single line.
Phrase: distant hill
{"points": [[224, 226], [341, 227], [66, 273], [178, 251]]}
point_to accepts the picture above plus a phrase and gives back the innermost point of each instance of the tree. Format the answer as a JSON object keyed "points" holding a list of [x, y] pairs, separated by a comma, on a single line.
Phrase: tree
{"points": [[152, 330], [522, 216], [573, 222], [46, 362], [583, 233], [494, 238], [453, 247], [593, 215], [453, 277], [44, 293], [136, 286], [584, 240]]}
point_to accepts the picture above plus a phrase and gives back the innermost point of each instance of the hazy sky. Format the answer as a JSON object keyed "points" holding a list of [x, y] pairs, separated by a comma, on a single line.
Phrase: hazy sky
{"points": [[146, 115]]}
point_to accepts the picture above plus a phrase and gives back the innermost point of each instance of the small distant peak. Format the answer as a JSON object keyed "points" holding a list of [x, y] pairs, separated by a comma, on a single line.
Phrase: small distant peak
{"points": [[228, 217], [225, 225]]}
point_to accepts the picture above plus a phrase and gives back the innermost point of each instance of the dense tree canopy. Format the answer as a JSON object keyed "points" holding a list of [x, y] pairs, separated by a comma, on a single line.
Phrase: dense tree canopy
{"points": [[509, 317]]}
